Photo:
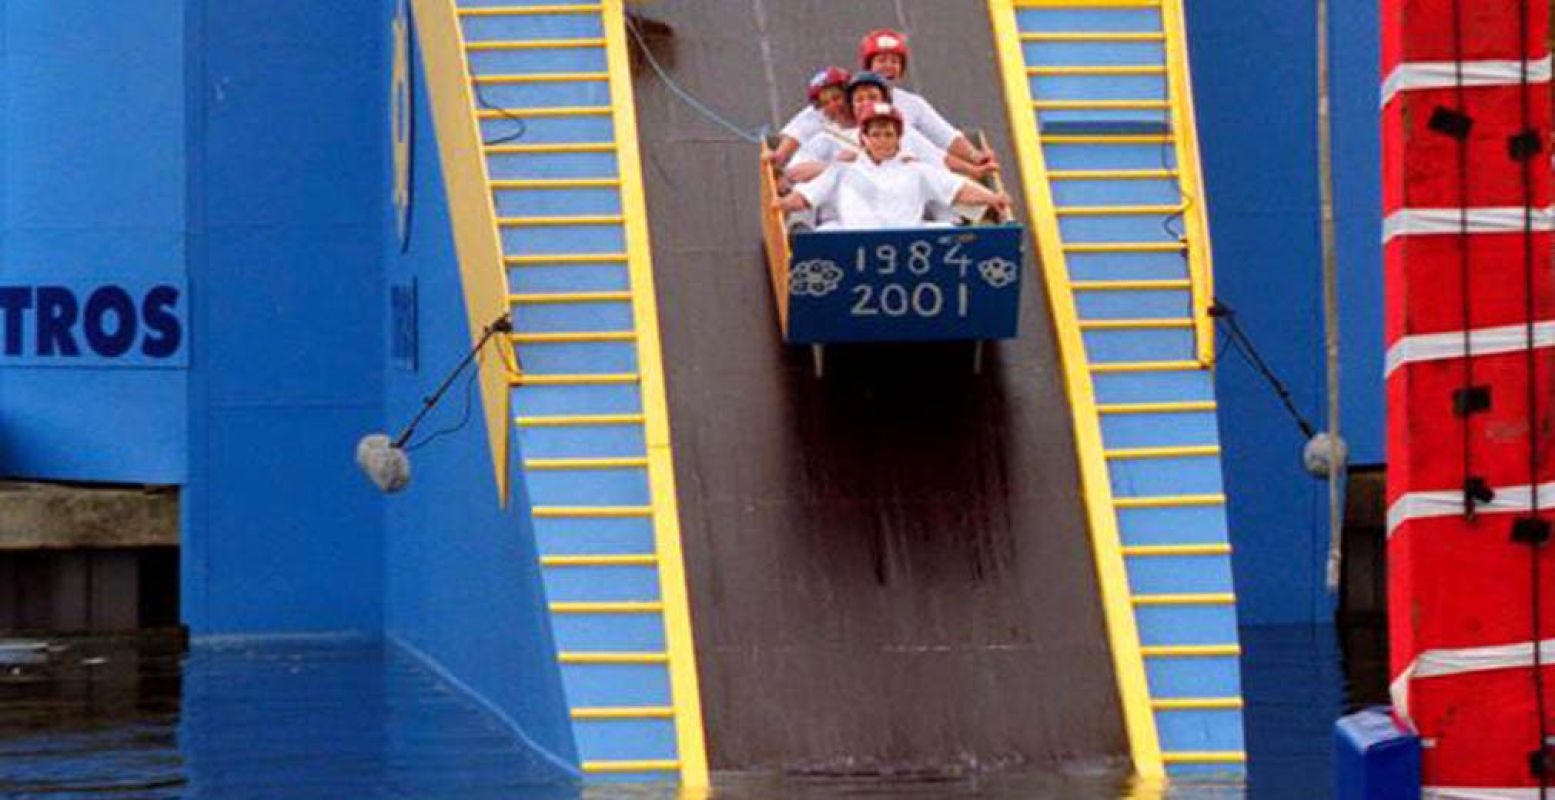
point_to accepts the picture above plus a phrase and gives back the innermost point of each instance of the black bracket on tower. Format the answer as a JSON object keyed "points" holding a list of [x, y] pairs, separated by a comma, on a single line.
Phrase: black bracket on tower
{"points": [[1470, 400], [1451, 122], [1476, 492]]}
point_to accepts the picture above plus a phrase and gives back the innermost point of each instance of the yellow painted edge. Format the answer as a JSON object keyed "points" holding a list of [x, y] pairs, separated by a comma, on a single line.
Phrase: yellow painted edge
{"points": [[1182, 407], [1123, 247], [1134, 324], [1191, 650], [471, 208], [551, 147], [554, 183], [614, 657], [1196, 703], [1186, 599], [571, 337], [1171, 501], [1207, 549], [1087, 3], [1163, 285], [566, 258], [554, 111], [526, 11], [1117, 211], [1127, 105], [1200, 264], [1205, 757], [604, 560], [691, 743], [578, 379], [1180, 451], [550, 221], [622, 712], [611, 512], [1122, 630], [1096, 70], [1146, 366], [598, 767], [1091, 36], [544, 298], [542, 77], [1098, 138], [535, 44], [1111, 174], [602, 607]]}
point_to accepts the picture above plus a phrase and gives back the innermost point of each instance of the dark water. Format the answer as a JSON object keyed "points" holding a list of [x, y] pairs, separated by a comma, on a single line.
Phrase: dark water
{"points": [[148, 717]]}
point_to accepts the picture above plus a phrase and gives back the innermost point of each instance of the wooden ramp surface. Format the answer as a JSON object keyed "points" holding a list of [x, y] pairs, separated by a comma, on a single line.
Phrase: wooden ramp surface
{"points": [[889, 568]]}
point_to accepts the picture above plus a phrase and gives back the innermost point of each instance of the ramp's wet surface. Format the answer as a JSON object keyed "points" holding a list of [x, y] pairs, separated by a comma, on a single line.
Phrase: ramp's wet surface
{"points": [[889, 567]]}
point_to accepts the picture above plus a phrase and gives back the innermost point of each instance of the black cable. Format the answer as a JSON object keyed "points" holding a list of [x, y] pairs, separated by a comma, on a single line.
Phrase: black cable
{"points": [[1465, 302], [521, 127], [464, 416], [501, 325], [1525, 152], [1243, 345]]}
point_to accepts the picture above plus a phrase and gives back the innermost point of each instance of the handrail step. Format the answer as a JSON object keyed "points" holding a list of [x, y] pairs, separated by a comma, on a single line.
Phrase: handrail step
{"points": [[1178, 407], [535, 44], [559, 259], [1185, 599], [1101, 105], [1205, 549], [1146, 366], [591, 512], [1125, 247], [1093, 36], [557, 221], [1126, 286], [1170, 501], [539, 77], [1190, 650], [1105, 138], [623, 712], [1119, 210], [1195, 703], [576, 379], [600, 560], [1087, 70], [1134, 324], [624, 766], [551, 147], [1204, 757], [530, 11], [607, 607], [572, 337], [1111, 174], [1182, 451], [555, 298], [510, 184], [544, 111]]}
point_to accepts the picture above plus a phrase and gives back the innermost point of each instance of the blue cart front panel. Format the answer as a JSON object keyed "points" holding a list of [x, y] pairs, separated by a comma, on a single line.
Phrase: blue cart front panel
{"points": [[916, 284]]}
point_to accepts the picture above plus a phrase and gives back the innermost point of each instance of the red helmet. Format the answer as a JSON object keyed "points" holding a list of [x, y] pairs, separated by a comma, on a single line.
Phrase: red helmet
{"points": [[882, 40], [831, 76], [881, 111]]}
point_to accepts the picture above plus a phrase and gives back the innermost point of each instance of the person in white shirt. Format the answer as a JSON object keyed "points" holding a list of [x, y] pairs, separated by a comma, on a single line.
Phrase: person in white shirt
{"points": [[827, 90], [865, 90], [884, 188], [885, 51]]}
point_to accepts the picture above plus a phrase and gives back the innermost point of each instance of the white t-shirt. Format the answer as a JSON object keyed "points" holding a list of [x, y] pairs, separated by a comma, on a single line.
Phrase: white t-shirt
{"points": [[832, 141], [805, 124], [891, 194], [922, 116]]}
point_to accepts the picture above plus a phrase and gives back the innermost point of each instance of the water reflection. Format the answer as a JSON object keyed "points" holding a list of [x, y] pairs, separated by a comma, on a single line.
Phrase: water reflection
{"points": [[342, 717]]}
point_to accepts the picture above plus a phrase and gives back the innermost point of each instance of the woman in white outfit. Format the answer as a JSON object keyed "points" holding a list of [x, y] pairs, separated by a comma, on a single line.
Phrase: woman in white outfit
{"points": [[885, 188], [885, 51]]}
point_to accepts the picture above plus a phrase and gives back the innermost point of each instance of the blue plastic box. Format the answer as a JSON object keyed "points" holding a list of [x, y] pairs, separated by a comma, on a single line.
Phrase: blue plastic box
{"points": [[1375, 758]]}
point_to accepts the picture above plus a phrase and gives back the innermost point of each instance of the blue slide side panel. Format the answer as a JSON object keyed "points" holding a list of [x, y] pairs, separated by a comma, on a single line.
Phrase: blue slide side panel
{"points": [[603, 583], [1114, 192], [529, 62], [1200, 729], [558, 400], [605, 487], [582, 441], [1094, 54], [589, 317], [1152, 477], [1192, 624], [513, 166], [551, 94], [569, 278], [626, 536], [549, 130], [1186, 525], [616, 684], [1127, 266], [1175, 574], [1110, 20], [1133, 304], [1110, 156], [578, 357], [553, 239], [1164, 344], [528, 28], [1157, 430], [1154, 387], [608, 632], [557, 202], [623, 739], [1196, 676]]}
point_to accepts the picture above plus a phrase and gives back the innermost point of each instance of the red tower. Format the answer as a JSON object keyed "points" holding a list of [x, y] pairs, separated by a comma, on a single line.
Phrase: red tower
{"points": [[1470, 325]]}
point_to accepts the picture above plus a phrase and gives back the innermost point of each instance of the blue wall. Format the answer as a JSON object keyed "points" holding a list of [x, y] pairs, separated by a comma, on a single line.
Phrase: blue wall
{"points": [[461, 574], [92, 183], [1255, 83], [286, 112]]}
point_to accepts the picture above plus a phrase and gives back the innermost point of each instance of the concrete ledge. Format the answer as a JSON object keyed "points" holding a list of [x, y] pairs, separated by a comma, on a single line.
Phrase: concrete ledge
{"points": [[45, 516]]}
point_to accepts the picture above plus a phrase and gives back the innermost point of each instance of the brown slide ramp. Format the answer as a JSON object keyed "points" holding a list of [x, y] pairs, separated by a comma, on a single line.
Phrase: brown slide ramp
{"points": [[889, 569]]}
